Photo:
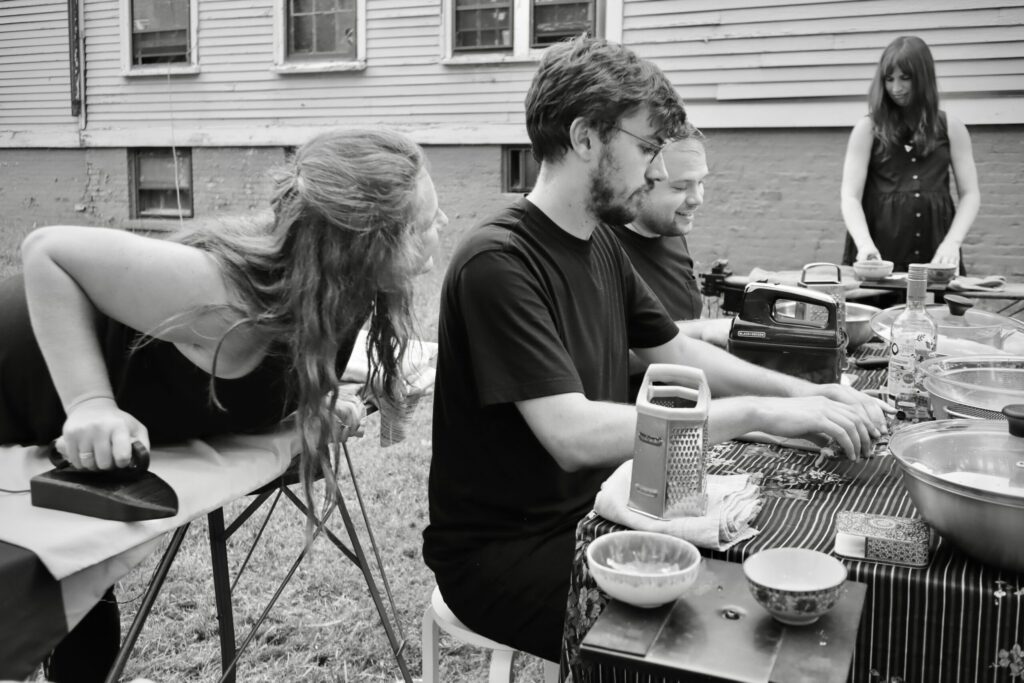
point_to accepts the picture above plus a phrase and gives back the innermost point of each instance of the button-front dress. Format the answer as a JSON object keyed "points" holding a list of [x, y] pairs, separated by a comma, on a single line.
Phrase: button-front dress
{"points": [[907, 202]]}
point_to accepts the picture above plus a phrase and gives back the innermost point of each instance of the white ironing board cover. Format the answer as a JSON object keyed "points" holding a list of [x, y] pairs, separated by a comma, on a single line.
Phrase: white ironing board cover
{"points": [[205, 474]]}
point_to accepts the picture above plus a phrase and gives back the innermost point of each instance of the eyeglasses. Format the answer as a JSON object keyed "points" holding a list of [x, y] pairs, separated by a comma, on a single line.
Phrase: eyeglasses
{"points": [[651, 147]]}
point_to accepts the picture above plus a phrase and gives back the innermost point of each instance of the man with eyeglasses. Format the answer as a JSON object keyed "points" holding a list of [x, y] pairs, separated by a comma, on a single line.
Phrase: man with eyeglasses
{"points": [[539, 310]]}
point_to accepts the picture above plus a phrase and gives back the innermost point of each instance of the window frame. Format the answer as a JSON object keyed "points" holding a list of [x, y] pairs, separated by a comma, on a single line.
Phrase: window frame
{"points": [[127, 36], [608, 22], [134, 199], [283, 65], [508, 152]]}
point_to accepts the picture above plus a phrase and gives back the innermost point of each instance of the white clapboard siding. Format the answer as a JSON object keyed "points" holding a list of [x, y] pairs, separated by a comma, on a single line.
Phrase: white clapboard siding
{"points": [[35, 76], [810, 63], [738, 63]]}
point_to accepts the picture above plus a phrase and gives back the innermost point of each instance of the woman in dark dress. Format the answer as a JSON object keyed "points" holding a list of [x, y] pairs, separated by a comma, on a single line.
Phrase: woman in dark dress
{"points": [[110, 337], [895, 194]]}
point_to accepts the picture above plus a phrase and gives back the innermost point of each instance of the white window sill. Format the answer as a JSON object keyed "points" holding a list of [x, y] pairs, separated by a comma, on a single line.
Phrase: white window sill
{"points": [[161, 70], [492, 58], [318, 67]]}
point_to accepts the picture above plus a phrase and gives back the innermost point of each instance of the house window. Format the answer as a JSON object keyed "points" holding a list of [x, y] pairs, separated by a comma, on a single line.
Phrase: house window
{"points": [[158, 37], [519, 169], [161, 183], [482, 31], [321, 28], [483, 25], [555, 20], [319, 35], [160, 31]]}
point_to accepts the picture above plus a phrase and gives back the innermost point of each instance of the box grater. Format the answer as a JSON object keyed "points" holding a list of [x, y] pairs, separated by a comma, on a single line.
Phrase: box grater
{"points": [[669, 476]]}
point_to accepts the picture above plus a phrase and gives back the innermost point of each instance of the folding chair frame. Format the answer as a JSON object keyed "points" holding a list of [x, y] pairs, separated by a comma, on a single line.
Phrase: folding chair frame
{"points": [[223, 587]]}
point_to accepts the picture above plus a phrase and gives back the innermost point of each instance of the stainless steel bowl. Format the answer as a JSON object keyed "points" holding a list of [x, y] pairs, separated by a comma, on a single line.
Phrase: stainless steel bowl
{"points": [[973, 386], [966, 478], [858, 321], [858, 324]]}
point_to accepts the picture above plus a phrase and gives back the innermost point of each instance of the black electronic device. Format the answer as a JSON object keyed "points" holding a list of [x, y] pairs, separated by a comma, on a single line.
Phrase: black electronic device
{"points": [[128, 494], [790, 329]]}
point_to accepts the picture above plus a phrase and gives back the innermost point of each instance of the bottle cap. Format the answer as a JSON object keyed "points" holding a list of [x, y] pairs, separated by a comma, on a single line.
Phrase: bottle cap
{"points": [[917, 271], [917, 281]]}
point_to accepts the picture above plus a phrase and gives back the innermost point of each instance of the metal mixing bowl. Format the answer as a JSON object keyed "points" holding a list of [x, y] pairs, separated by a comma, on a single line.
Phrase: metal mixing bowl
{"points": [[966, 478], [858, 321], [973, 386], [858, 324]]}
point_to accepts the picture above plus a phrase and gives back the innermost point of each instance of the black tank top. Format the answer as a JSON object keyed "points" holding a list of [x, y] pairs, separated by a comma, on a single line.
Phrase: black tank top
{"points": [[155, 383]]}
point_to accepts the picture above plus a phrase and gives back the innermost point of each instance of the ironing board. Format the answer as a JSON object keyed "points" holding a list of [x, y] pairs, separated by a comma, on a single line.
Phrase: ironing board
{"points": [[55, 566], [58, 565]]}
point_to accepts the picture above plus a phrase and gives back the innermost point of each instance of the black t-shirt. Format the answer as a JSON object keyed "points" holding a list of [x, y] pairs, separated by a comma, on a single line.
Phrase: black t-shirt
{"points": [[666, 266], [527, 310]]}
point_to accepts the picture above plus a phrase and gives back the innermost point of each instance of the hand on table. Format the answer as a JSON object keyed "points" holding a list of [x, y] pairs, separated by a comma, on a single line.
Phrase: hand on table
{"points": [[850, 425], [947, 254], [98, 435]]}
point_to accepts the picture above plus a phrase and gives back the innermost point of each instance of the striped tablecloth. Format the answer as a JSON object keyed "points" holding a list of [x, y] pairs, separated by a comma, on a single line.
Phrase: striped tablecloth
{"points": [[954, 620]]}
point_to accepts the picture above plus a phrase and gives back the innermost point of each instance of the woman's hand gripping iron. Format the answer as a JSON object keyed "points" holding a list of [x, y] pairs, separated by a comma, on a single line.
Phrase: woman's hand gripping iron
{"points": [[128, 494]]}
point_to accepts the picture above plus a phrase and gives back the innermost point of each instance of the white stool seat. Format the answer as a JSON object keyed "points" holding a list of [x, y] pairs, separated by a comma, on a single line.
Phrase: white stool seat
{"points": [[438, 617]]}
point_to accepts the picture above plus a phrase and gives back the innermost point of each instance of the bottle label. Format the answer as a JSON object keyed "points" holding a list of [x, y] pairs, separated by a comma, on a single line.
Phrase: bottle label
{"points": [[906, 381]]}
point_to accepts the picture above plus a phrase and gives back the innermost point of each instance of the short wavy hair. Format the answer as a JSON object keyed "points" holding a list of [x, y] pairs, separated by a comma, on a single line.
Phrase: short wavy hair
{"points": [[600, 81]]}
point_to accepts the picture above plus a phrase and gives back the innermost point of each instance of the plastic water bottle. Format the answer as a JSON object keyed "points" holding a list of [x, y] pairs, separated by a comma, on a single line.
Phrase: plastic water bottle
{"points": [[914, 334]]}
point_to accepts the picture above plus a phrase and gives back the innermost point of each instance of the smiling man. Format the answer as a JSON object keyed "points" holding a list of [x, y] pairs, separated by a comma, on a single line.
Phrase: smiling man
{"points": [[540, 307], [656, 240]]}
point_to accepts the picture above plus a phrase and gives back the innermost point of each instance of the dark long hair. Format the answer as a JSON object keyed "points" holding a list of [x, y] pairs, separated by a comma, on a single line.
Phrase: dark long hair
{"points": [[339, 251], [918, 122]]}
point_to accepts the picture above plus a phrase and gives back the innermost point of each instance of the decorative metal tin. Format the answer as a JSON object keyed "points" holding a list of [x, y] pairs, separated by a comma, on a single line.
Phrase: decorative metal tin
{"points": [[883, 538]]}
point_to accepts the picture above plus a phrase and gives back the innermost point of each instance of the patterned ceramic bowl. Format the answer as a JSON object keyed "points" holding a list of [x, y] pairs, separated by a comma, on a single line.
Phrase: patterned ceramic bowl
{"points": [[643, 568], [940, 273], [795, 585]]}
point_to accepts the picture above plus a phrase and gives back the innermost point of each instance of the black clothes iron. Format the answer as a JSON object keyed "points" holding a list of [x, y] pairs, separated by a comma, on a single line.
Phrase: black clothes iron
{"points": [[790, 329], [129, 494]]}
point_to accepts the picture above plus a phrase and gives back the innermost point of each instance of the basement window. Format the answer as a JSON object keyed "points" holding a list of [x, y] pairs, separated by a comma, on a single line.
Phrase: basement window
{"points": [[519, 170], [160, 182]]}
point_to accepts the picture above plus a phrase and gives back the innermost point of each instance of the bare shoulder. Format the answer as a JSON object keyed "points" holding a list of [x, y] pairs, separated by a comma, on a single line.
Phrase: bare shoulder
{"points": [[863, 130], [956, 128]]}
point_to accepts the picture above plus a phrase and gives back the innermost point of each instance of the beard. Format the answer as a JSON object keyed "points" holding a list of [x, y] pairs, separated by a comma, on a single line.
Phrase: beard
{"points": [[604, 202]]}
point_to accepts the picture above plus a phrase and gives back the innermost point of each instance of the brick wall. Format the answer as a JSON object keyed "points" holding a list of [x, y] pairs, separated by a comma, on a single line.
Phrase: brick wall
{"points": [[771, 200]]}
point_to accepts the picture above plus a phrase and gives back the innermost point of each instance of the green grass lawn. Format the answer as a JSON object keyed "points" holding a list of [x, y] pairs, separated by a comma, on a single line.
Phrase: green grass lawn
{"points": [[324, 627]]}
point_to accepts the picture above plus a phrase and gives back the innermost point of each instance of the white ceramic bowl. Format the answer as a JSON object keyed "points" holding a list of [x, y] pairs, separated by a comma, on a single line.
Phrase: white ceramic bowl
{"points": [[795, 585], [643, 568], [872, 270]]}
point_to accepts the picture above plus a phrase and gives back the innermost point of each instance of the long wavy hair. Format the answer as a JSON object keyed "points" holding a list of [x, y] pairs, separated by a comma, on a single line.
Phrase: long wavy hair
{"points": [[918, 122], [339, 251]]}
